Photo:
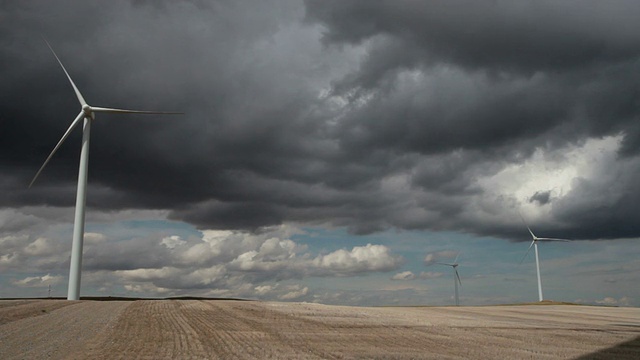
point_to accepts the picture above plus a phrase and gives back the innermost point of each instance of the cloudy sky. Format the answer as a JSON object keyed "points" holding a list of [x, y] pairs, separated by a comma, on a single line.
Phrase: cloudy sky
{"points": [[329, 151]]}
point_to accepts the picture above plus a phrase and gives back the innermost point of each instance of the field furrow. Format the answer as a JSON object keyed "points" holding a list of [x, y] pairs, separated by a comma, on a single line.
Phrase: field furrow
{"points": [[226, 329], [60, 333]]}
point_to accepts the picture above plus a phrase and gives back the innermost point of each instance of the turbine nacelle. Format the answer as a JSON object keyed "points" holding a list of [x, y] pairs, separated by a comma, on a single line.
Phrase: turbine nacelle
{"points": [[453, 265]]}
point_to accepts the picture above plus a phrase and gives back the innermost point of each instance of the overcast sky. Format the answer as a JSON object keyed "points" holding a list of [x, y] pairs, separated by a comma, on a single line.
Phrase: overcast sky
{"points": [[330, 150]]}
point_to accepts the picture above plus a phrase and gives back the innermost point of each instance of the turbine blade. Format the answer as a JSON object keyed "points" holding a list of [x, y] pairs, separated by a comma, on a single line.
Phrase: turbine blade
{"points": [[527, 253], [525, 224], [124, 111], [458, 276], [554, 239], [531, 232], [64, 137], [75, 88], [456, 259], [444, 264]]}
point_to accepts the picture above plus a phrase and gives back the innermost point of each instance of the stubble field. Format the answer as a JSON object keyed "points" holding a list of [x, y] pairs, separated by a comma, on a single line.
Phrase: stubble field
{"points": [[227, 329]]}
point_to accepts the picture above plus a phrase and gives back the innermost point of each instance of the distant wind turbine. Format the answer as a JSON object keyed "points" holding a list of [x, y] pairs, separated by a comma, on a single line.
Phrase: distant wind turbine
{"points": [[88, 114], [534, 243], [456, 276]]}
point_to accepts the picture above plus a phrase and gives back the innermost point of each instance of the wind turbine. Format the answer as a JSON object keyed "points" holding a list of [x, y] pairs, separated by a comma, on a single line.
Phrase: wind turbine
{"points": [[456, 276], [88, 115], [534, 243]]}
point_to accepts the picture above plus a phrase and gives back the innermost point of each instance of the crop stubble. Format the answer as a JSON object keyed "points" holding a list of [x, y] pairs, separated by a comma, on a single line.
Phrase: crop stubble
{"points": [[225, 329]]}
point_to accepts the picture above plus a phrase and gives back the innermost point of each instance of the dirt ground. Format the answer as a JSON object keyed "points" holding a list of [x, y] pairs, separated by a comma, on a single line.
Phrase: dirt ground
{"points": [[226, 329]]}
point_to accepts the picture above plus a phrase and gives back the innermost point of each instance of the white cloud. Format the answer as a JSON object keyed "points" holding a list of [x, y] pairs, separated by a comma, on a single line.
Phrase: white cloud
{"points": [[41, 246], [145, 288], [39, 281], [263, 289], [273, 254], [296, 292], [7, 260], [94, 238], [215, 236], [434, 257], [283, 260], [607, 301], [205, 276], [225, 245], [230, 259], [611, 301], [148, 274], [172, 241], [222, 263], [625, 301], [275, 249], [28, 254], [405, 275], [198, 254], [359, 259]]}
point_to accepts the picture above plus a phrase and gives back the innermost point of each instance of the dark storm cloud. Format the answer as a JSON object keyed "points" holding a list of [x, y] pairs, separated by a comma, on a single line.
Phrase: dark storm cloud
{"points": [[537, 63], [526, 36], [518, 76], [210, 60], [364, 114]]}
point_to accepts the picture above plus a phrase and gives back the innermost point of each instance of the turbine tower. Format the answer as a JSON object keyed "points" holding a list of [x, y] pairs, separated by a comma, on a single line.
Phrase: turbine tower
{"points": [[456, 276], [534, 244], [88, 115]]}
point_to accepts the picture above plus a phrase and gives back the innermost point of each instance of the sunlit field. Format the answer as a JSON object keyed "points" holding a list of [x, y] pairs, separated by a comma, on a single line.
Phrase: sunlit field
{"points": [[232, 329]]}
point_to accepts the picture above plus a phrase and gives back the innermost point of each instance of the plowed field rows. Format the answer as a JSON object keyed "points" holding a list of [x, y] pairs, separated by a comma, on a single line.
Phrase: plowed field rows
{"points": [[220, 329]]}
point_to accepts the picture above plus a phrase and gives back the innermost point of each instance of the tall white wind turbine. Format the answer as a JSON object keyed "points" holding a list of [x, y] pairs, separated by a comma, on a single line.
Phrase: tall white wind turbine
{"points": [[456, 276], [88, 115], [534, 244]]}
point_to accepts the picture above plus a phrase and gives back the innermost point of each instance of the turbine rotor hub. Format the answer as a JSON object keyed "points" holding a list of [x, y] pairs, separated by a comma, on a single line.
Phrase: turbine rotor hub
{"points": [[88, 111]]}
